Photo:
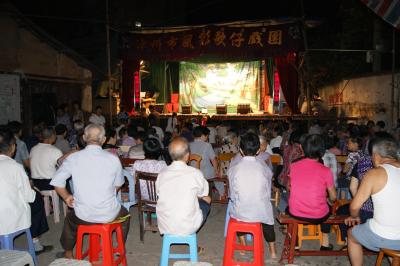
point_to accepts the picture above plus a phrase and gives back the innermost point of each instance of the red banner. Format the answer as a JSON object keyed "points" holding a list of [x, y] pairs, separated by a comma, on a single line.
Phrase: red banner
{"points": [[226, 42]]}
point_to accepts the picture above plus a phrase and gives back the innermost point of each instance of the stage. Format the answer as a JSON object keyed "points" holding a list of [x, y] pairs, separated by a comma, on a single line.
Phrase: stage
{"points": [[232, 117]]}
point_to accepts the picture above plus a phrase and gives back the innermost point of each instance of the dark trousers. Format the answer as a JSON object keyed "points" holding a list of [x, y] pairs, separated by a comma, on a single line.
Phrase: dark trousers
{"points": [[344, 210], [71, 222], [268, 232], [325, 228], [42, 184], [38, 216], [205, 209]]}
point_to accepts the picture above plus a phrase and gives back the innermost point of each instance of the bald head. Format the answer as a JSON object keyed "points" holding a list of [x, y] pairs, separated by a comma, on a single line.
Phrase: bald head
{"points": [[179, 149], [94, 135]]}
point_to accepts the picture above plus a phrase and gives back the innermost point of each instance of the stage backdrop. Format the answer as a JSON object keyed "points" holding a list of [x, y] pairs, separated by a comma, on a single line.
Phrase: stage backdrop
{"points": [[206, 85]]}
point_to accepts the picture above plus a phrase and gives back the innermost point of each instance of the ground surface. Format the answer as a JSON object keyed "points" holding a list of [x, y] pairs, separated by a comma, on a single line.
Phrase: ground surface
{"points": [[210, 237]]}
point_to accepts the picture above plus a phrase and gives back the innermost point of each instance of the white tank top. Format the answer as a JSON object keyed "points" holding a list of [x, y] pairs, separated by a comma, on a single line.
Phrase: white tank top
{"points": [[386, 220]]}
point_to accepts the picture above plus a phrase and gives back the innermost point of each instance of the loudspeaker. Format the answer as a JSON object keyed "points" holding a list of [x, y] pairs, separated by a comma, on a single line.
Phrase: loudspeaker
{"points": [[243, 108], [187, 109], [222, 109], [159, 107]]}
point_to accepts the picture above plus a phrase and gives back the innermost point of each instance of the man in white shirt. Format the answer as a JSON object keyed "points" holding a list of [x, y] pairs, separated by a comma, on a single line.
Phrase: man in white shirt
{"points": [[183, 202], [97, 118], [18, 198], [250, 194], [44, 157], [96, 176]]}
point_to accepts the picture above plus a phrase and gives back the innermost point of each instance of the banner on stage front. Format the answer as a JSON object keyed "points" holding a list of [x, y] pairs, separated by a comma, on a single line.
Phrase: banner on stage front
{"points": [[206, 85]]}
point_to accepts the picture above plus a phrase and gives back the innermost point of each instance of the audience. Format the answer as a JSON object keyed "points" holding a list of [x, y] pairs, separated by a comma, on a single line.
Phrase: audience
{"points": [[183, 202], [382, 185], [96, 176], [63, 117], [44, 159], [97, 117], [251, 194], [310, 181], [77, 113], [111, 141], [61, 143], [21, 154], [35, 138], [21, 207]]}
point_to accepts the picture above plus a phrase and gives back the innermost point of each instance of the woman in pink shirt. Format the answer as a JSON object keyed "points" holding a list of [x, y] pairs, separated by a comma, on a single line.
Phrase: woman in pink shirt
{"points": [[310, 181]]}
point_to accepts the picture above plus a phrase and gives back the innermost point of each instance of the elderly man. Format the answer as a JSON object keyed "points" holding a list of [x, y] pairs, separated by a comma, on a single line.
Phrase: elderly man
{"points": [[96, 176], [97, 117], [183, 204], [44, 158], [382, 184]]}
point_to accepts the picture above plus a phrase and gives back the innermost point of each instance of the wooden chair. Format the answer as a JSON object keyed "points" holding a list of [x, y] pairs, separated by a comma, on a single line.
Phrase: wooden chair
{"points": [[395, 254], [222, 159], [146, 206], [341, 159], [275, 159], [197, 158], [127, 162]]}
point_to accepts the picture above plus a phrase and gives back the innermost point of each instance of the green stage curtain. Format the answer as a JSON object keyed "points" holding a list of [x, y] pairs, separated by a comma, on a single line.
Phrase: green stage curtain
{"points": [[158, 81]]}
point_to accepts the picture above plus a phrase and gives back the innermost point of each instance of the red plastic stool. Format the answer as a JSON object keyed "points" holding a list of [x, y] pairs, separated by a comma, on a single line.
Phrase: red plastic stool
{"points": [[104, 233], [231, 245]]}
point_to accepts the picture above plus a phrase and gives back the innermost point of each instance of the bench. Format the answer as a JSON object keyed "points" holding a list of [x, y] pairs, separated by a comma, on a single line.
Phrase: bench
{"points": [[289, 252]]}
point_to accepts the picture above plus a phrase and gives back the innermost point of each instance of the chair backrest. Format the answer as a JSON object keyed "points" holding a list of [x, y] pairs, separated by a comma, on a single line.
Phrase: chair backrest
{"points": [[223, 160], [275, 159], [195, 157], [341, 159], [124, 148], [225, 156], [127, 162], [150, 183]]}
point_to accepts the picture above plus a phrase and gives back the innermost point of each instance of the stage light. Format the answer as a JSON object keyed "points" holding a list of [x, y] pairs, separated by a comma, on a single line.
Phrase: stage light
{"points": [[138, 24]]}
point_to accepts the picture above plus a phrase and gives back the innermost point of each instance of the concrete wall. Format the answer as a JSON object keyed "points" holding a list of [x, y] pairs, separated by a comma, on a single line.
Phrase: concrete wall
{"points": [[361, 97], [22, 51]]}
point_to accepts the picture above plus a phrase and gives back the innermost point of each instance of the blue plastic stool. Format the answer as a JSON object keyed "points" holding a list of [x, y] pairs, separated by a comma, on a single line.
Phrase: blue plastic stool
{"points": [[169, 240], [7, 242], [227, 217]]}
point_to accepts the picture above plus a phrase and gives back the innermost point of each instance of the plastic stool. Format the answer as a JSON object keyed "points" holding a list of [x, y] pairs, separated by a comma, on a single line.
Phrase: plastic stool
{"points": [[15, 258], [7, 242], [56, 204], [313, 233], [69, 262], [255, 229], [227, 217], [104, 233], [169, 240]]}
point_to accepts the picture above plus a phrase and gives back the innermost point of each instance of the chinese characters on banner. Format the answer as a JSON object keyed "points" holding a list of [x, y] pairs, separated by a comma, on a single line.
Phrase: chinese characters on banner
{"points": [[254, 40]]}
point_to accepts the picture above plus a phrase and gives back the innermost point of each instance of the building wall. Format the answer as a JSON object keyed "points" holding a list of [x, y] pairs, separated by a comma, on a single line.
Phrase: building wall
{"points": [[44, 70], [361, 97], [22, 51]]}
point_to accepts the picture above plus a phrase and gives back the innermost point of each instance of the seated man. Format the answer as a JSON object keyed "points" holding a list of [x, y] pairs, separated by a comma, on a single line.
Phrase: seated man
{"points": [[251, 193], [382, 184], [20, 206], [96, 176], [183, 204], [44, 157]]}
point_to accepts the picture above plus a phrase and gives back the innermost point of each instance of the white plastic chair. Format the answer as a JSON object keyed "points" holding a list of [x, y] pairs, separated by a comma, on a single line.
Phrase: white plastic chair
{"points": [[132, 197], [15, 258], [47, 194]]}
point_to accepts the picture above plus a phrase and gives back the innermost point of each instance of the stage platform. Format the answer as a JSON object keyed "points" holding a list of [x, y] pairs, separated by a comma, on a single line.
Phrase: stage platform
{"points": [[252, 117]]}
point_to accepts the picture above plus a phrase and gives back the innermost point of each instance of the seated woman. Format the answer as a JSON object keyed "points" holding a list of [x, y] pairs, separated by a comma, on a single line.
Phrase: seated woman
{"points": [[231, 145], [309, 181], [111, 140], [152, 151]]}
